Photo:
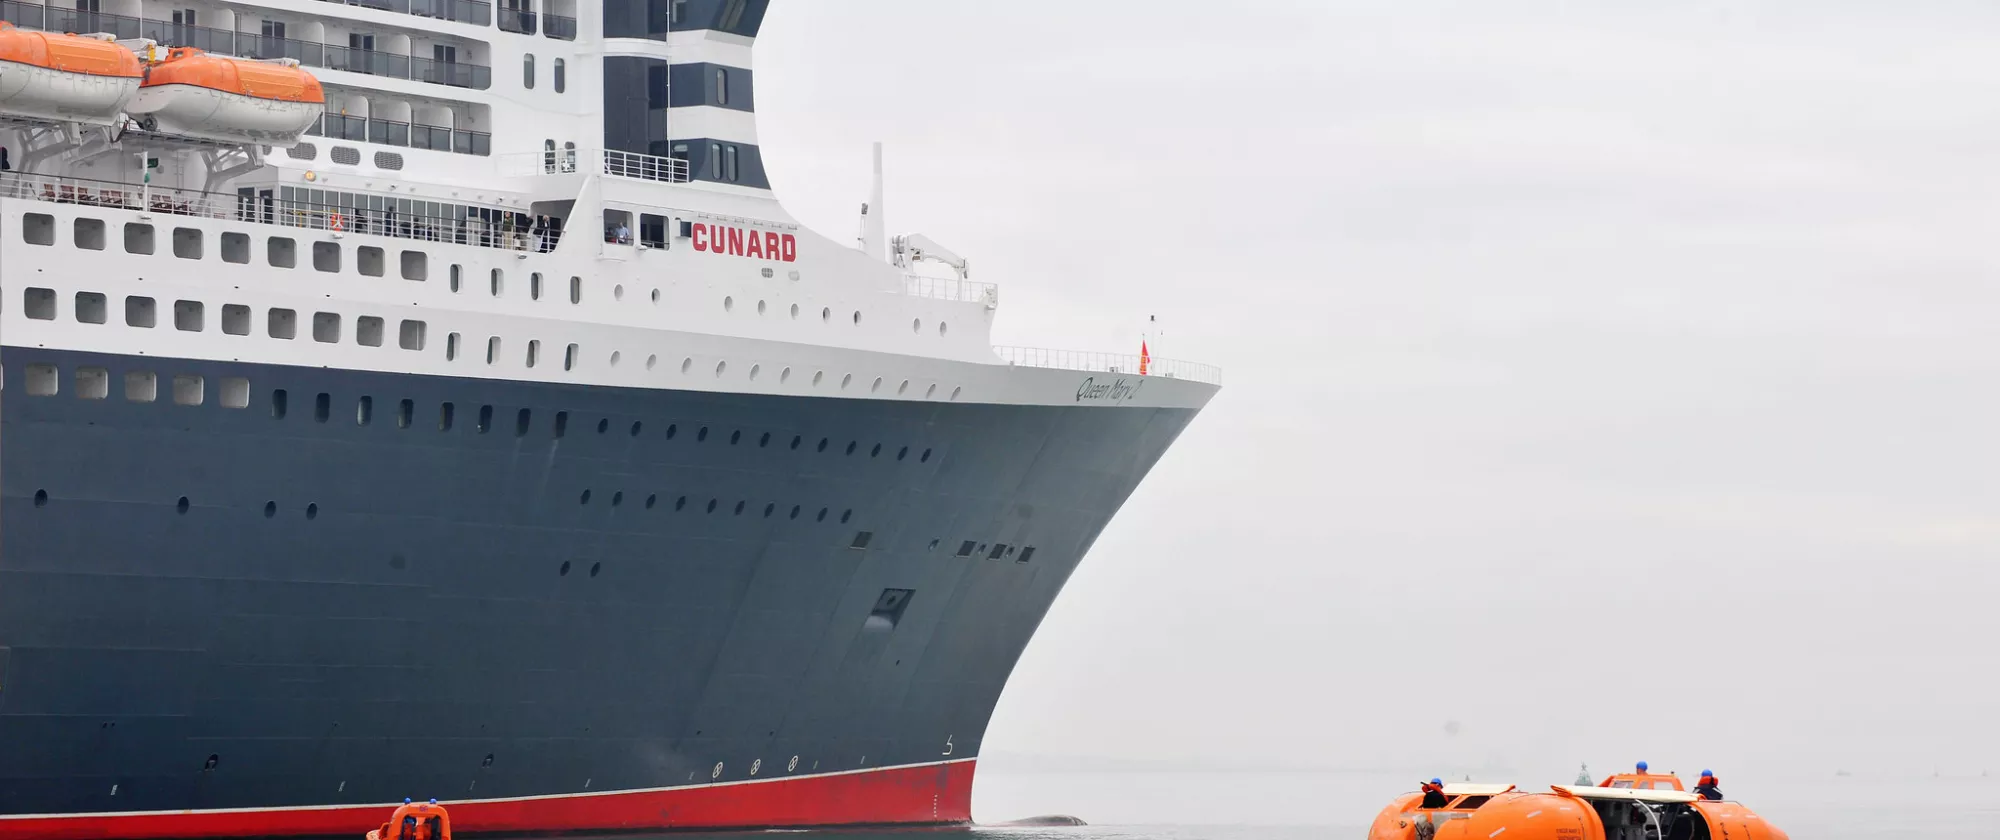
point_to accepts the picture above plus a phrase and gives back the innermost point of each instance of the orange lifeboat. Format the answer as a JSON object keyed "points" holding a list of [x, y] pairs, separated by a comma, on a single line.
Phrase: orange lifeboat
{"points": [[1478, 812], [65, 78], [418, 821], [232, 100]]}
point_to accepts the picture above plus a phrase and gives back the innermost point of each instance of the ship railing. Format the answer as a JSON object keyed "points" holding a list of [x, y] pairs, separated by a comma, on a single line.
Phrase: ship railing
{"points": [[560, 27], [515, 17], [951, 289], [644, 167], [609, 162], [483, 227], [1086, 361]]}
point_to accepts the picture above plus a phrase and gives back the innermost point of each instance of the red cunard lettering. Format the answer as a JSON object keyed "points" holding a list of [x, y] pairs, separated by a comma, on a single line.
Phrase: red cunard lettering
{"points": [[700, 234], [737, 242]]}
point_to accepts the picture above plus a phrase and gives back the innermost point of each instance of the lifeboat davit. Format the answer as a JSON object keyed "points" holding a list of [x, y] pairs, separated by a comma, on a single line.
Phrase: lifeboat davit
{"points": [[46, 76], [419, 821], [232, 100], [1569, 812]]}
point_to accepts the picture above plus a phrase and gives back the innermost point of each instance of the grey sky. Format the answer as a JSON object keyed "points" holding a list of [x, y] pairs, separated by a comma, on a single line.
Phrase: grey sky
{"points": [[1614, 379]]}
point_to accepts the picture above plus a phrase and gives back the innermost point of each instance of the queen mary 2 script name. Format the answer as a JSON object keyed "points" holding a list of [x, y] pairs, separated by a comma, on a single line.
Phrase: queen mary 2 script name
{"points": [[742, 242], [1116, 390]]}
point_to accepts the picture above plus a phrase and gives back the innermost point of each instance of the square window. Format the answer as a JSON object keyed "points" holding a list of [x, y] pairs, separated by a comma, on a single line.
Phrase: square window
{"points": [[93, 383], [38, 229], [368, 331], [138, 238], [40, 304], [141, 386], [188, 315], [91, 307], [187, 389], [89, 234], [283, 323], [326, 327], [141, 312], [235, 319], [187, 243]]}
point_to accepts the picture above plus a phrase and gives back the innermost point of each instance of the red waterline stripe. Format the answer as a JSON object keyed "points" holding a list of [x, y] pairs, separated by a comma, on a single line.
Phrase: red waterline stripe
{"points": [[925, 793]]}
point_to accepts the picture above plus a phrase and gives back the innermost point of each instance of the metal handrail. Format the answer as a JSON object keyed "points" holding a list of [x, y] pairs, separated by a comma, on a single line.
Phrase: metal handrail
{"points": [[1091, 362], [644, 167], [951, 289]]}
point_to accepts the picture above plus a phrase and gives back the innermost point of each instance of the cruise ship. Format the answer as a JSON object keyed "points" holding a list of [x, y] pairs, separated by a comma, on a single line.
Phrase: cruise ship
{"points": [[431, 398]]}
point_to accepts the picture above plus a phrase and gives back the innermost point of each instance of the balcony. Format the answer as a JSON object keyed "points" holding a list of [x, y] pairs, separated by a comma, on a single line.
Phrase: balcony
{"points": [[458, 11], [251, 45], [517, 20], [559, 27], [407, 135]]}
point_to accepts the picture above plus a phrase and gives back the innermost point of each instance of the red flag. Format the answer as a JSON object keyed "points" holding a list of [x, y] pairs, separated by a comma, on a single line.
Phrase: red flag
{"points": [[1145, 357]]}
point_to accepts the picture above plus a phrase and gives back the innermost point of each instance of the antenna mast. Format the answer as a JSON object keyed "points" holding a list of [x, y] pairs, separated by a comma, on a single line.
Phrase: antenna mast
{"points": [[874, 240]]}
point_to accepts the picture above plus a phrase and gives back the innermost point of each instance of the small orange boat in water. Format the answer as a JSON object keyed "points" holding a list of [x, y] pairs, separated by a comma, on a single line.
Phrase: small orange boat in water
{"points": [[1629, 806], [415, 821]]}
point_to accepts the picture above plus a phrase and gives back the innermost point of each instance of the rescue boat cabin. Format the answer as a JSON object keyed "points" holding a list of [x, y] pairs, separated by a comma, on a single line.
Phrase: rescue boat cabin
{"points": [[1570, 813], [1642, 781]]}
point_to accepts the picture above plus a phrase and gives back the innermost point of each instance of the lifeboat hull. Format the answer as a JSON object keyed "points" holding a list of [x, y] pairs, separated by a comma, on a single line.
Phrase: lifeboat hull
{"points": [[44, 94], [209, 114]]}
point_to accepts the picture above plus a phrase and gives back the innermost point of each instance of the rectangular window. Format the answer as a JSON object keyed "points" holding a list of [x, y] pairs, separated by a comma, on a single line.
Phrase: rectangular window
{"points": [[535, 286], [534, 352], [405, 411], [485, 419], [322, 407], [235, 319], [89, 234], [416, 265], [444, 417], [729, 172], [455, 272], [493, 350], [562, 423], [283, 323], [451, 347], [1026, 555], [40, 304], [368, 331], [187, 389], [138, 238], [278, 404], [966, 548], [38, 229], [236, 248], [281, 252], [235, 392], [575, 290], [569, 358], [141, 386], [90, 307], [188, 315], [187, 243], [92, 383], [410, 335], [861, 539], [652, 230], [497, 282], [42, 380], [999, 551], [326, 257], [141, 312], [364, 411], [370, 261], [326, 327]]}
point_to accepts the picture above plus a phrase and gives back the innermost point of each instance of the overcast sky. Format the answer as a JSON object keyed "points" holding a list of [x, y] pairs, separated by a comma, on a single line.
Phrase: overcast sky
{"points": [[1611, 378]]}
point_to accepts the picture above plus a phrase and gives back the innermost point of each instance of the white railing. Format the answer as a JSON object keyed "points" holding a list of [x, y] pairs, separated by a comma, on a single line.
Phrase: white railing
{"points": [[644, 167], [610, 162], [952, 289], [1108, 363]]}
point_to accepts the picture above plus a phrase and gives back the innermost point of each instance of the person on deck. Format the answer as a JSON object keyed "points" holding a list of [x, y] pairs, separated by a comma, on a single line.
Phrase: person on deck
{"points": [[1434, 794], [1707, 787]]}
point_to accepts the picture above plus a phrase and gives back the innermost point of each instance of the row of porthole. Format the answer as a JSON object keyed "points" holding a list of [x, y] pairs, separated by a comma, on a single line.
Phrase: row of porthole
{"points": [[825, 315], [681, 503], [182, 504]]}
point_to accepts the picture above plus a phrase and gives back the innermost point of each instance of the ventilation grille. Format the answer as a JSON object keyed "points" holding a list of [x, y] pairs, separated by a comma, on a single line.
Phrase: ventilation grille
{"points": [[303, 151], [346, 155], [388, 160]]}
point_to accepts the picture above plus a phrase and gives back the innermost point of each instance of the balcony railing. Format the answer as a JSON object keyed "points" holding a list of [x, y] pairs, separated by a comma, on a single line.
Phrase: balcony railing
{"points": [[1108, 363], [952, 289], [461, 11], [644, 167], [250, 45], [557, 26], [398, 133], [517, 20]]}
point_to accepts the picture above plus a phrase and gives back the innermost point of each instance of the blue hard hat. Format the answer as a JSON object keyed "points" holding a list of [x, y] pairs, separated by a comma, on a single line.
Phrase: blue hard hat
{"points": [[1437, 781], [406, 800], [434, 800], [1707, 773], [1642, 767]]}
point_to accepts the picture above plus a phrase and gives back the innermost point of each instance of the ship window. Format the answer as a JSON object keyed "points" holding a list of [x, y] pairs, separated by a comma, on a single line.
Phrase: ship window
{"points": [[889, 609], [322, 407], [187, 389], [523, 419], [368, 331], [39, 303], [138, 238], [575, 290], [861, 539], [38, 229], [326, 256], [90, 307], [140, 312], [451, 347], [235, 319], [235, 392], [561, 76], [141, 386], [499, 281], [302, 151], [281, 252], [999, 551], [364, 411], [89, 234], [283, 323], [485, 418], [534, 351], [444, 417], [454, 277], [188, 315], [388, 160], [652, 230], [41, 380], [493, 350], [326, 327], [92, 383], [369, 261], [416, 265], [528, 71], [721, 86], [535, 286], [405, 410], [562, 423], [236, 248], [715, 161], [346, 155], [569, 358], [1026, 555], [410, 336], [278, 403], [965, 548], [187, 243], [618, 227]]}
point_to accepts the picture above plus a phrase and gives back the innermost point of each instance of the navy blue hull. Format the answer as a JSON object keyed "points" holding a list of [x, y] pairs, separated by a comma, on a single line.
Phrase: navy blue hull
{"points": [[210, 607]]}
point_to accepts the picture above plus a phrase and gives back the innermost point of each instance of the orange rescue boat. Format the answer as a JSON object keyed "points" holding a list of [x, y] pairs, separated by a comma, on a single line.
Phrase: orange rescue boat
{"points": [[232, 100], [418, 821], [1566, 812], [52, 77]]}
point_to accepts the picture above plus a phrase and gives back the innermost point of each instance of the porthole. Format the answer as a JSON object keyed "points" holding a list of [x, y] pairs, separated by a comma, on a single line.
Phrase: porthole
{"points": [[795, 311], [875, 386], [739, 508], [754, 370], [931, 391], [954, 392], [796, 440], [680, 503], [595, 568], [770, 508], [784, 376], [656, 295], [876, 452], [701, 435], [728, 304], [916, 325], [584, 499], [942, 326], [764, 440], [902, 453], [637, 426], [673, 429], [312, 511], [604, 425], [826, 314], [711, 505], [845, 378], [857, 317], [850, 446], [652, 361], [903, 388], [618, 498], [563, 570], [795, 511], [846, 515], [615, 356], [925, 458], [822, 516], [822, 444], [651, 500], [735, 436], [817, 376], [41, 498], [181, 506], [270, 509], [618, 292], [760, 307], [687, 364], [934, 545]]}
